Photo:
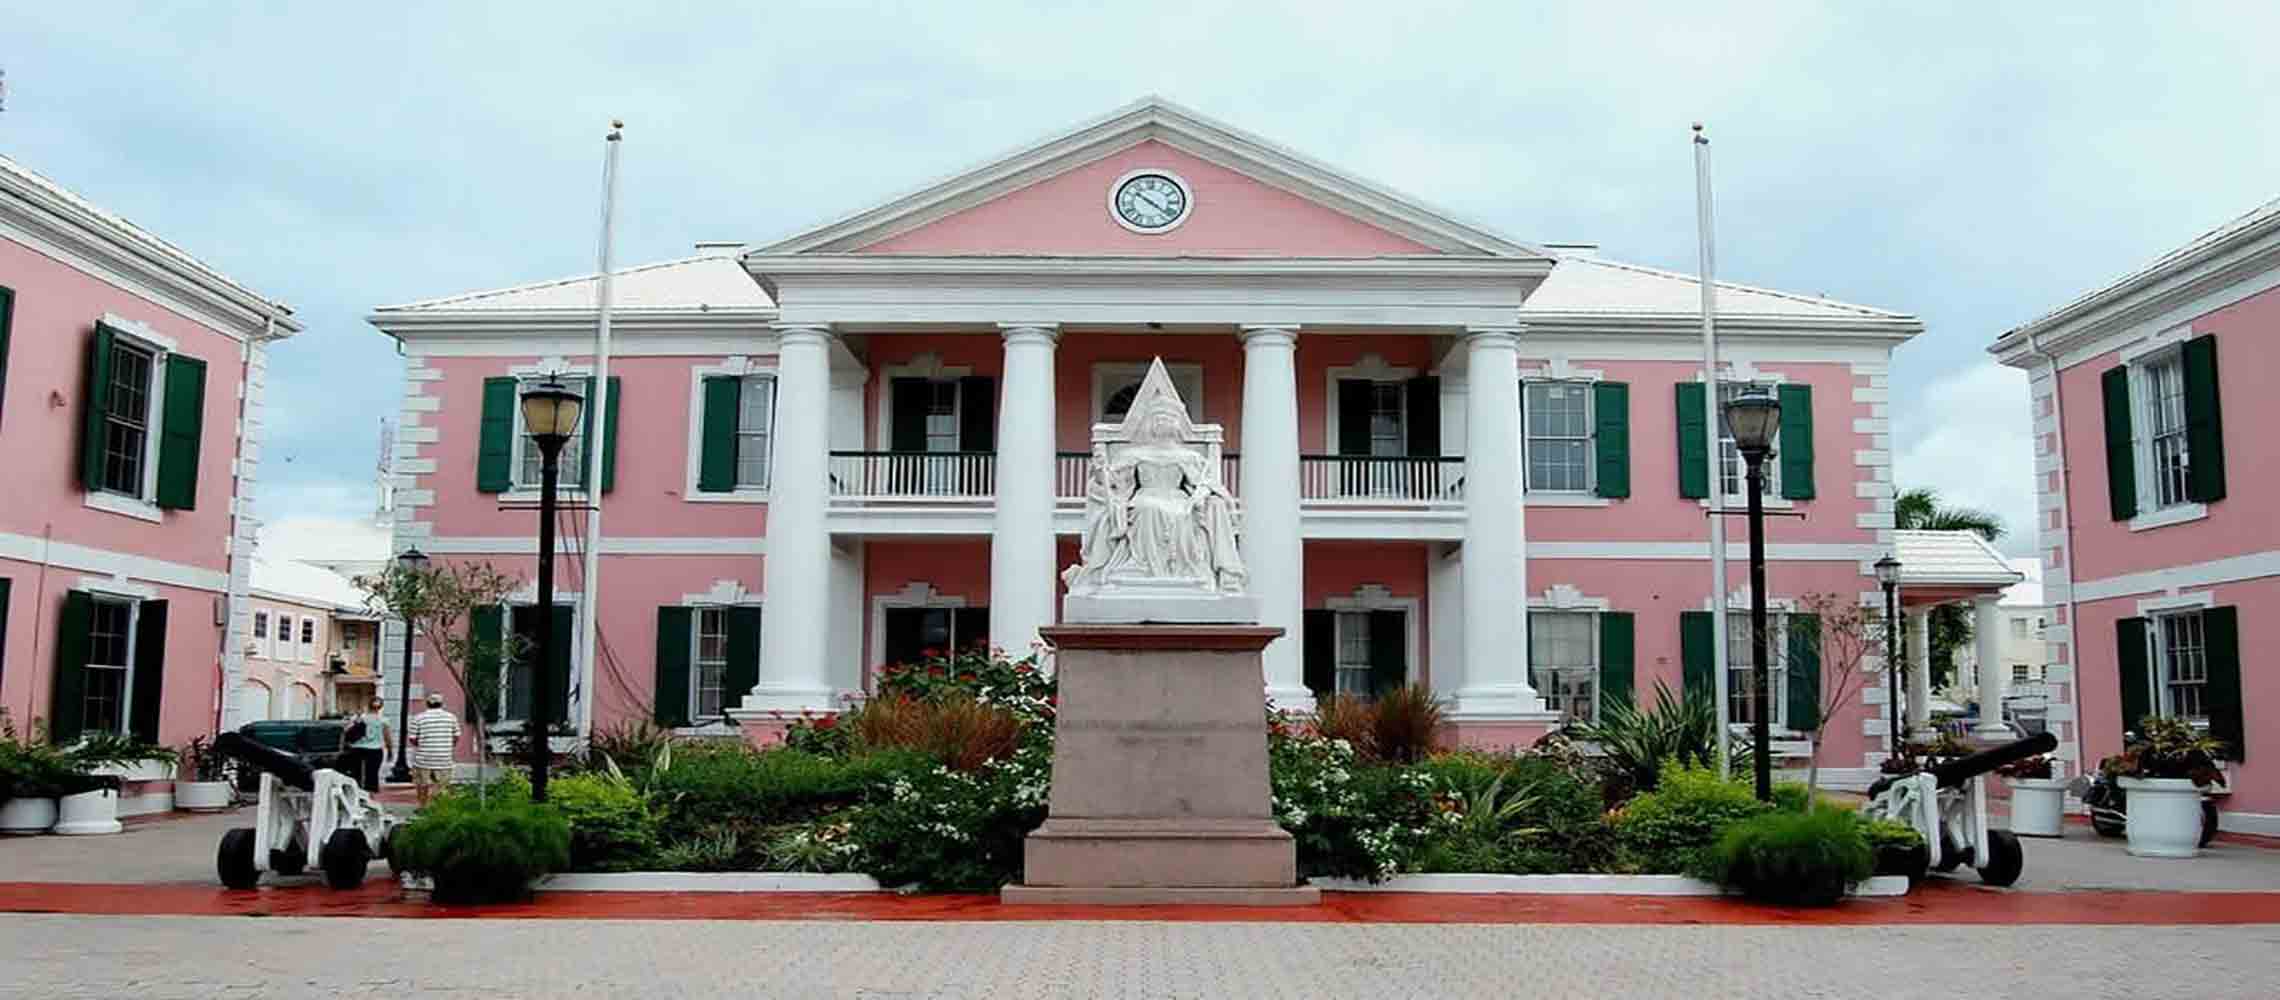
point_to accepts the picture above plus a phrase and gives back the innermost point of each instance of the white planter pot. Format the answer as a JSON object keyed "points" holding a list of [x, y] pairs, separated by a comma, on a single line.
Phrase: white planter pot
{"points": [[2165, 817], [88, 813], [202, 796], [27, 816], [2038, 806]]}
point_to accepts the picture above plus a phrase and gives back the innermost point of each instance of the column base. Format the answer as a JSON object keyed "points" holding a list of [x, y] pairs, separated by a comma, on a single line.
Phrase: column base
{"points": [[766, 712], [1498, 718], [1298, 700]]}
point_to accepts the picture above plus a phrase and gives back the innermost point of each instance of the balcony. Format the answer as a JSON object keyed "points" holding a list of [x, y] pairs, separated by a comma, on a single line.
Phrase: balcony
{"points": [[953, 493]]}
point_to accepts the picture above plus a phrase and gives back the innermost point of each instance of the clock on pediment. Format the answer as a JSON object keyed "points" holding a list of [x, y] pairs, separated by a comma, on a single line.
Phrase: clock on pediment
{"points": [[1150, 200]]}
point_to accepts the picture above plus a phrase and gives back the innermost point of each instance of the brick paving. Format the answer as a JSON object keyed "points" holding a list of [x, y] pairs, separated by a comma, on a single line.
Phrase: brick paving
{"points": [[155, 958]]}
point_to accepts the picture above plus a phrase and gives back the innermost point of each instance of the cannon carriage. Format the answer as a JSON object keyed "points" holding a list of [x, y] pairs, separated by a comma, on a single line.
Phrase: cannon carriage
{"points": [[306, 813], [1947, 804]]}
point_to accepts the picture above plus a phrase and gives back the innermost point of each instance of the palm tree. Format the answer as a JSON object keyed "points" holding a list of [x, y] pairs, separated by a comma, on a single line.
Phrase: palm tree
{"points": [[1919, 510]]}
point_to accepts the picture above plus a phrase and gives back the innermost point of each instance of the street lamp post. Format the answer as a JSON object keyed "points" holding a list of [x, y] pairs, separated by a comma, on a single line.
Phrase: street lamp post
{"points": [[411, 561], [550, 415], [1752, 418], [1888, 575]]}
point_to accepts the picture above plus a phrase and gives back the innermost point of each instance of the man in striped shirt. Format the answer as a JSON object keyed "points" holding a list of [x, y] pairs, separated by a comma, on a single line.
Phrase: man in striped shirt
{"points": [[435, 740]]}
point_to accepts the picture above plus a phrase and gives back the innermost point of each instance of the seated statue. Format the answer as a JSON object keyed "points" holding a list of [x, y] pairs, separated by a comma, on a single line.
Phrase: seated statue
{"points": [[1157, 516]]}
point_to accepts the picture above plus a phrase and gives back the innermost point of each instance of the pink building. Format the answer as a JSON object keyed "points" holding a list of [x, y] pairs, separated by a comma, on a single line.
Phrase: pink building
{"points": [[2162, 558], [1463, 460], [130, 415]]}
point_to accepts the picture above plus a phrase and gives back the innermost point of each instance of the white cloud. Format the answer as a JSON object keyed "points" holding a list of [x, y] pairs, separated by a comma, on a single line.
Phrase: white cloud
{"points": [[328, 539], [1972, 440]]}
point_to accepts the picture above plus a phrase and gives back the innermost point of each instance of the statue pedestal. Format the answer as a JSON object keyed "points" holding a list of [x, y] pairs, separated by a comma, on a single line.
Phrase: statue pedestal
{"points": [[1160, 790]]}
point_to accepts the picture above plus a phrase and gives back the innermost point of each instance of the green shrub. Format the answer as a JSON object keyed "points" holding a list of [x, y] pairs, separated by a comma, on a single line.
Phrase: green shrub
{"points": [[936, 829], [1801, 859], [1669, 830], [1545, 818], [734, 789], [611, 826], [823, 735], [1353, 821], [483, 852], [1899, 849]]}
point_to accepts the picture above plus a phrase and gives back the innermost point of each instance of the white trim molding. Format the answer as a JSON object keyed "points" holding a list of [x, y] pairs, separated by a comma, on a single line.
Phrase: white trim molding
{"points": [[1562, 597], [610, 546], [723, 592], [2173, 579], [116, 565], [738, 365]]}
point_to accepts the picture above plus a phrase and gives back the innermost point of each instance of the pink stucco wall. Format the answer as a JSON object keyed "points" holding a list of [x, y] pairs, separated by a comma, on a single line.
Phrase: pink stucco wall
{"points": [[56, 309], [284, 669], [1232, 215], [2239, 524]]}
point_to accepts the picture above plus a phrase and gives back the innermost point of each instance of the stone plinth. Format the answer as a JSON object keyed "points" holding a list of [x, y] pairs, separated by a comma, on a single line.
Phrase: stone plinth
{"points": [[1160, 789]]}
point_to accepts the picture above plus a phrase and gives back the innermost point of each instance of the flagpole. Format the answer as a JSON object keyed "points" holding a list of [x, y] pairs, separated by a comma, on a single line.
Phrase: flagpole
{"points": [[598, 426], [1709, 267]]}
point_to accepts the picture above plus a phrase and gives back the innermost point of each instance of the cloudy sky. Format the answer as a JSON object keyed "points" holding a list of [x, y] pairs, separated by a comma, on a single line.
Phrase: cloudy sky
{"points": [[1972, 163]]}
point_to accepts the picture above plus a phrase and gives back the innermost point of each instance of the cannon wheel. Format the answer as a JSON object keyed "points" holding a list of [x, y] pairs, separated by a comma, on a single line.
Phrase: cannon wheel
{"points": [[2005, 858], [1951, 859], [2106, 827], [344, 858], [234, 860]]}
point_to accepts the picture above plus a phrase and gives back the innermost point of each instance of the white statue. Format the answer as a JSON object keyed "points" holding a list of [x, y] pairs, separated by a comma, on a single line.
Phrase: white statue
{"points": [[1159, 523]]}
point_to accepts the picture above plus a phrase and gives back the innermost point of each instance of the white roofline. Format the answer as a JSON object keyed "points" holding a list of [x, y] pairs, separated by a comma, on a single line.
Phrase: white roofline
{"points": [[1870, 312], [431, 304], [2246, 242], [1152, 117]]}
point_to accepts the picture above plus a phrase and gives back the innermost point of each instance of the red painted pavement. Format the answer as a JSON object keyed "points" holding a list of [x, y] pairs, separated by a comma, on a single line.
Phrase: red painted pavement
{"points": [[1933, 903]]}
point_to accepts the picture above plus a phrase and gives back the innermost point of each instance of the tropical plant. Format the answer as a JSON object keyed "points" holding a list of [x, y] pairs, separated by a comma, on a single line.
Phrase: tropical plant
{"points": [[1646, 743], [201, 762], [712, 850], [826, 845], [1919, 509], [956, 729], [1808, 858], [2167, 747], [30, 766], [105, 749], [1401, 725]]}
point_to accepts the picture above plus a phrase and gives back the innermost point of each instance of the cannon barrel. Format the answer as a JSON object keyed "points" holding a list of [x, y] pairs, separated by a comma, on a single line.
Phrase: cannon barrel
{"points": [[1962, 769], [262, 757]]}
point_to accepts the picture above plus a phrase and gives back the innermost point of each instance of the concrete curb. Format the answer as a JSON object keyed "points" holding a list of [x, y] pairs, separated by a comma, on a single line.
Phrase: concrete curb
{"points": [[709, 882], [1573, 885]]}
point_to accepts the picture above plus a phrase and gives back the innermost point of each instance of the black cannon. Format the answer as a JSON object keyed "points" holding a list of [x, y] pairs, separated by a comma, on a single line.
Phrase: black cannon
{"points": [[305, 810], [1947, 804]]}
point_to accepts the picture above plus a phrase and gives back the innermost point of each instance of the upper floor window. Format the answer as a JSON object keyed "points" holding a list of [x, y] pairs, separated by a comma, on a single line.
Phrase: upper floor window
{"points": [[127, 417], [2164, 432], [261, 634], [507, 459], [755, 416], [2020, 629], [1563, 658], [1733, 470], [736, 428], [2164, 422], [1558, 420], [571, 470]]}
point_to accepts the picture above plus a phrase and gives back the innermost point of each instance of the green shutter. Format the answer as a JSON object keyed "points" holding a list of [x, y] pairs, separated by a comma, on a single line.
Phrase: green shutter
{"points": [[609, 429], [743, 656], [94, 401], [2204, 422], [495, 454], [68, 705], [148, 678], [7, 592], [180, 429], [716, 459], [1389, 651], [1697, 661], [485, 658], [676, 630], [2220, 696], [1796, 442], [7, 322], [1804, 672], [1693, 459], [1617, 644], [1318, 651], [564, 622], [2121, 458], [1611, 438], [2136, 670]]}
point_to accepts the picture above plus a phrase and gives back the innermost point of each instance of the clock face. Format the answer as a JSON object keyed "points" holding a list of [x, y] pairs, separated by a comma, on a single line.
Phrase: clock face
{"points": [[1150, 202]]}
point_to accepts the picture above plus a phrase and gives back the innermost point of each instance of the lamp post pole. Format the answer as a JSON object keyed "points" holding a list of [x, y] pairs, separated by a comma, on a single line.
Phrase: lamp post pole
{"points": [[1761, 734], [1888, 574], [551, 414], [412, 560]]}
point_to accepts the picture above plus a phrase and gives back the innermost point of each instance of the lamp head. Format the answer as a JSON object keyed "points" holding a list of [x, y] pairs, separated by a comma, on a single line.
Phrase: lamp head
{"points": [[1888, 570], [550, 413], [412, 559], [1752, 418]]}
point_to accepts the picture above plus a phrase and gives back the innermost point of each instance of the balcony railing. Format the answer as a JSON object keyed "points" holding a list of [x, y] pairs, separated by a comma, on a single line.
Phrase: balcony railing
{"points": [[928, 475], [1363, 480], [1071, 468]]}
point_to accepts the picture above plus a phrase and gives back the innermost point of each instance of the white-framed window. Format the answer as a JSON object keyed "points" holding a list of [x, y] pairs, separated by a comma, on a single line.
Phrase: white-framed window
{"points": [[1741, 664], [1389, 420], [571, 468], [755, 430], [2181, 665], [1116, 384], [1558, 419], [1563, 661], [1353, 662], [108, 679], [2162, 454], [308, 646], [941, 415], [261, 634], [2021, 673], [708, 675], [1733, 471], [2021, 628], [130, 417]]}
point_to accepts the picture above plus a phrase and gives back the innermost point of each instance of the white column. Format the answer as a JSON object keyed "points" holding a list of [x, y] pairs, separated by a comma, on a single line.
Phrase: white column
{"points": [[1919, 656], [1986, 625], [1495, 683], [1022, 556], [796, 572], [1273, 549]]}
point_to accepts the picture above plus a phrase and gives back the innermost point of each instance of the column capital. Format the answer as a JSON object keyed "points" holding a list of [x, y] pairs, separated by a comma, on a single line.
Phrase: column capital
{"points": [[1051, 332], [1267, 333], [1493, 336], [800, 332]]}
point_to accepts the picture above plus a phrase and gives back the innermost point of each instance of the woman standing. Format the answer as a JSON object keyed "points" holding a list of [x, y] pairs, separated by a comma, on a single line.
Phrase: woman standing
{"points": [[371, 731]]}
